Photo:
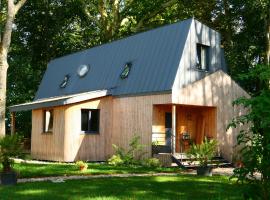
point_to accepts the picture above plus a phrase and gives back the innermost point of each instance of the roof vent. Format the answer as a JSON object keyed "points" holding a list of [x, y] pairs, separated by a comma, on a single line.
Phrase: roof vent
{"points": [[65, 81], [83, 70], [124, 74]]}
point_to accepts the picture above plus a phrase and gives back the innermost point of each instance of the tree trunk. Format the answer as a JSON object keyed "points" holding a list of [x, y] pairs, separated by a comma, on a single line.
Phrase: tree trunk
{"points": [[5, 41], [3, 83], [4, 66]]}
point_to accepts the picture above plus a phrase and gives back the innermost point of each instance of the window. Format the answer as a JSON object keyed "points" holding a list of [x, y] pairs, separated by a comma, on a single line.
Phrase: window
{"points": [[83, 70], [124, 74], [202, 57], [90, 120], [47, 121], [64, 83]]}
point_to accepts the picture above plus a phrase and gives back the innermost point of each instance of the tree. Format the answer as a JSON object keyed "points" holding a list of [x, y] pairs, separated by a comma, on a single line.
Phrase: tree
{"points": [[254, 142], [12, 9]]}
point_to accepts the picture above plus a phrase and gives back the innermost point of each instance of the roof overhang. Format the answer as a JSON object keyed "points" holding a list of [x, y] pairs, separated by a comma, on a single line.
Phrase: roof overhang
{"points": [[59, 101]]}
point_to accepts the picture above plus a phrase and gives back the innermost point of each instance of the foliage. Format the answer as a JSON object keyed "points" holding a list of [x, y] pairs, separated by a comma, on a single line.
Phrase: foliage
{"points": [[131, 156], [45, 30], [81, 165], [254, 141], [116, 160], [151, 162], [203, 152], [10, 147]]}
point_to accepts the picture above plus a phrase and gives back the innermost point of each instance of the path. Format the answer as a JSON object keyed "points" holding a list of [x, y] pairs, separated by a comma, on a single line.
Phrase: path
{"points": [[56, 179]]}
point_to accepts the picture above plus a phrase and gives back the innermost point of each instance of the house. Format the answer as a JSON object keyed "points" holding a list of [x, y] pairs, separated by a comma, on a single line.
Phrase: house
{"points": [[166, 85]]}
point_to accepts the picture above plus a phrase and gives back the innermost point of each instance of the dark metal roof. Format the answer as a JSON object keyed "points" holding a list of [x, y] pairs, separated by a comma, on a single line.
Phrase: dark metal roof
{"points": [[155, 57]]}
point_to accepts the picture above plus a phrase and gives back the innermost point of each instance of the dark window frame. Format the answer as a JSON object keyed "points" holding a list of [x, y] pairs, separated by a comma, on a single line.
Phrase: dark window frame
{"points": [[51, 121], [89, 131], [200, 49]]}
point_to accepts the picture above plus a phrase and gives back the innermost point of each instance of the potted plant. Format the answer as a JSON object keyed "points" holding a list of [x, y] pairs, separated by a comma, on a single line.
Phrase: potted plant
{"points": [[10, 147], [81, 165], [203, 153]]}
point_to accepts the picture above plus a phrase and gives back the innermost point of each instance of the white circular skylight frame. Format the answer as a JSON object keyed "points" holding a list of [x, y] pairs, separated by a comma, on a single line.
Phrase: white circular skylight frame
{"points": [[83, 70]]}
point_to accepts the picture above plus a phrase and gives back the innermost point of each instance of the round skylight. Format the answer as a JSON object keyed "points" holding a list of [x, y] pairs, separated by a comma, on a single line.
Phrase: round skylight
{"points": [[65, 81], [83, 70]]}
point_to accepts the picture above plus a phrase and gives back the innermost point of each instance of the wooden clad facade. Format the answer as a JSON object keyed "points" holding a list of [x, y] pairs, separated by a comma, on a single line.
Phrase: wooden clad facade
{"points": [[120, 119], [203, 108], [216, 90]]}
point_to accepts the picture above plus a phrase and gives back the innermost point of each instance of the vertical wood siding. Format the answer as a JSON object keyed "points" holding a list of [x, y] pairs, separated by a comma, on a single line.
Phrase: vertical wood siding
{"points": [[217, 90], [48, 146], [134, 116]]}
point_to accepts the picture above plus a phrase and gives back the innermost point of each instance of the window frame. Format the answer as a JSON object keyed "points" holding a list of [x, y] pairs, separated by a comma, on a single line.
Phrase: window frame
{"points": [[201, 48], [44, 120], [98, 122]]}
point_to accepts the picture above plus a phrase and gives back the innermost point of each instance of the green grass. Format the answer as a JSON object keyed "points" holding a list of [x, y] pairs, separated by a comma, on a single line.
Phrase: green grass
{"points": [[160, 187], [26, 170]]}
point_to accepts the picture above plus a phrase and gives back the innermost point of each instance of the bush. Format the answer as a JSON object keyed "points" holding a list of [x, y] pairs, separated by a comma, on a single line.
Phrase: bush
{"points": [[116, 160], [10, 147], [203, 152], [152, 162], [81, 165], [131, 156]]}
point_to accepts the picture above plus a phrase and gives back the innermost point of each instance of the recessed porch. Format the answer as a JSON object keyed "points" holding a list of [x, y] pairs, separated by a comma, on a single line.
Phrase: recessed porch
{"points": [[176, 126]]}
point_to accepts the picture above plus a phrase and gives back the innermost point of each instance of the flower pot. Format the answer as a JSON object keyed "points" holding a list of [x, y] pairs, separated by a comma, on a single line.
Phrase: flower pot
{"points": [[9, 178], [204, 171]]}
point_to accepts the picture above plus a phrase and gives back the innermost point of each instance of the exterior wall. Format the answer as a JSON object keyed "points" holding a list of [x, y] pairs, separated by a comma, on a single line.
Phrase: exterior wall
{"points": [[133, 116], [48, 146], [187, 72], [120, 119], [217, 90], [92, 147]]}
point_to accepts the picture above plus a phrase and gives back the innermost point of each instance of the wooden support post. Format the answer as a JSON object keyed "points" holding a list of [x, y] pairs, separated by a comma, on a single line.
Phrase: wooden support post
{"points": [[173, 128], [12, 123]]}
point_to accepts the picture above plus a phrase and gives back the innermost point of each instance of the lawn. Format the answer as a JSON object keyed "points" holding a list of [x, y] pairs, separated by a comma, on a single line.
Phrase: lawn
{"points": [[27, 170], [159, 187]]}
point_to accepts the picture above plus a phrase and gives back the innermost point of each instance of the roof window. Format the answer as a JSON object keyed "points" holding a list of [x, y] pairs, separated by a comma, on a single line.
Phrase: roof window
{"points": [[65, 81], [83, 70], [124, 74]]}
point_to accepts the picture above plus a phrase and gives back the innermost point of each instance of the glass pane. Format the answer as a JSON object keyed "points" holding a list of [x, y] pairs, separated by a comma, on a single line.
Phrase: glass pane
{"points": [[203, 58], [48, 121], [124, 74], [84, 120], [94, 121], [198, 58]]}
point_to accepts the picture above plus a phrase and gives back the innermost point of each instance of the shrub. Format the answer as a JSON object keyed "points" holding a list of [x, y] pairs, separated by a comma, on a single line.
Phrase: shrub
{"points": [[152, 162], [116, 160], [131, 156], [253, 139], [203, 152], [81, 165], [10, 147]]}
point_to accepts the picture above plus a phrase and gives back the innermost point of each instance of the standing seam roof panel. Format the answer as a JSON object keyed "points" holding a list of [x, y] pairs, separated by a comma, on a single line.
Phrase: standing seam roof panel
{"points": [[155, 54]]}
